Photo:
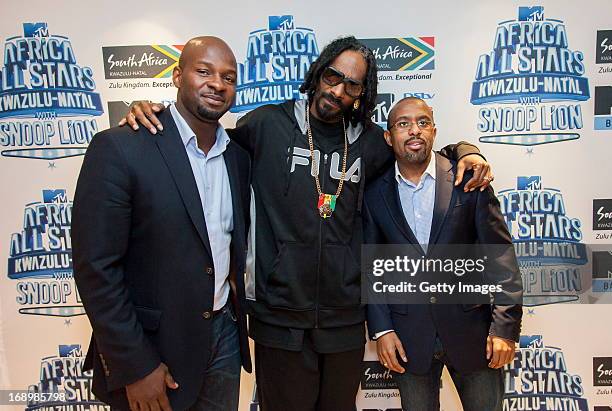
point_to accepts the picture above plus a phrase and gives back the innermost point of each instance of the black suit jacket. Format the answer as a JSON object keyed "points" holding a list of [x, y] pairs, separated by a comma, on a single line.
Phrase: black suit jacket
{"points": [[142, 259], [458, 218]]}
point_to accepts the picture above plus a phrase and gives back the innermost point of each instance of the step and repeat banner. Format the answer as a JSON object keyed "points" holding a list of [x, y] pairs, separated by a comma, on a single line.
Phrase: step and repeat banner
{"points": [[529, 83]]}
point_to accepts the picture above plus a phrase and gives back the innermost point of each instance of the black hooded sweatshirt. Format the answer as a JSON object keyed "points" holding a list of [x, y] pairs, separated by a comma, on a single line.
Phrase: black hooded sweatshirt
{"points": [[302, 270]]}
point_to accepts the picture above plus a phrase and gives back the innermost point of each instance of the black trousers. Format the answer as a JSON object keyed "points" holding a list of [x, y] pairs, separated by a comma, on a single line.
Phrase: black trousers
{"points": [[306, 380]]}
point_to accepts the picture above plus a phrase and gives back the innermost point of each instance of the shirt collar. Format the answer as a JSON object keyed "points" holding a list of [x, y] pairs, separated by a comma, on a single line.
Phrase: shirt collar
{"points": [[430, 170], [187, 134]]}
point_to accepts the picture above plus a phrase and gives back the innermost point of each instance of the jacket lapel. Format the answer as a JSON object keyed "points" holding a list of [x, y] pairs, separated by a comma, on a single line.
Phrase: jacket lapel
{"points": [[173, 151], [390, 195], [444, 193]]}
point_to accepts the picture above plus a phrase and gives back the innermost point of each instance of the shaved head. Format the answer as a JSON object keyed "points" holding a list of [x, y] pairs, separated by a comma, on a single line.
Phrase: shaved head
{"points": [[193, 47], [392, 117]]}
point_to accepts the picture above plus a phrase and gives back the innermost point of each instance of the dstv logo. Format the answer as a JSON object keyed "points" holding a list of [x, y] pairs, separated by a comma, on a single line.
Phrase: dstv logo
{"points": [[422, 96]]}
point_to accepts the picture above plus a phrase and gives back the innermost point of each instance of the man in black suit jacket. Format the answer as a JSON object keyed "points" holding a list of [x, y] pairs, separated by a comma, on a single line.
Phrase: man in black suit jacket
{"points": [[415, 202], [159, 234]]}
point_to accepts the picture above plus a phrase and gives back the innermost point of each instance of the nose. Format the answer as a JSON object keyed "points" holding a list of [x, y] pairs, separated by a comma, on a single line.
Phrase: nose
{"points": [[216, 82], [414, 130], [338, 90]]}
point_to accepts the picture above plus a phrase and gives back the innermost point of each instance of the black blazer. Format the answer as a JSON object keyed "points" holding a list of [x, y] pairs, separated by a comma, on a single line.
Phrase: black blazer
{"points": [[458, 218], [142, 259]]}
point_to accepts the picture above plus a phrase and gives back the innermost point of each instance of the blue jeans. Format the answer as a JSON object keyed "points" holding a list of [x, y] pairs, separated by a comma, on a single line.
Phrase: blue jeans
{"points": [[480, 390], [221, 387]]}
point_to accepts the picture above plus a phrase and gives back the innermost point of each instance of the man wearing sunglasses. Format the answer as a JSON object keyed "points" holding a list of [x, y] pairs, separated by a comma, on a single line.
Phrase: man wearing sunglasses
{"points": [[311, 160]]}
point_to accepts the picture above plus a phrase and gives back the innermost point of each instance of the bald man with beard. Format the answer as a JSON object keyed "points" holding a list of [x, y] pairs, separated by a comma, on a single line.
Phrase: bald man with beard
{"points": [[159, 232]]}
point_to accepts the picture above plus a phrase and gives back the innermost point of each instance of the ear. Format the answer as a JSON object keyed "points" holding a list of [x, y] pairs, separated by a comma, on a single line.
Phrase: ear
{"points": [[176, 76], [388, 138]]}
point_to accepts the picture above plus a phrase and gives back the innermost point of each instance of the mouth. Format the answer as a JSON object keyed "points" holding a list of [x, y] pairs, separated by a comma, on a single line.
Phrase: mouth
{"points": [[331, 102], [213, 99], [415, 144]]}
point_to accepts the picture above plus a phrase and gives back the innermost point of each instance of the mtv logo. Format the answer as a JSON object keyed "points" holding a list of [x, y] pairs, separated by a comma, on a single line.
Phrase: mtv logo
{"points": [[531, 341], [529, 183], [35, 30], [384, 102], [55, 196], [73, 350], [533, 13], [280, 23], [603, 100]]}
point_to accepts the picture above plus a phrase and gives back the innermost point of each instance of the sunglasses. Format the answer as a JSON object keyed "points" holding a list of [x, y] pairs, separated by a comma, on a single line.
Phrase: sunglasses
{"points": [[333, 77]]}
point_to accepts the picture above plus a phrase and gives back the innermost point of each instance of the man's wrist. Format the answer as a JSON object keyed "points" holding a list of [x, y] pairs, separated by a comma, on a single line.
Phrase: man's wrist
{"points": [[381, 333], [463, 148], [503, 338]]}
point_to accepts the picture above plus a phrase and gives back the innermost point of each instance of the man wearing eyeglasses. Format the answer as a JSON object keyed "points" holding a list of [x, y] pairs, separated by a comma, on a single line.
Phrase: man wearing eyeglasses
{"points": [[415, 203], [310, 162]]}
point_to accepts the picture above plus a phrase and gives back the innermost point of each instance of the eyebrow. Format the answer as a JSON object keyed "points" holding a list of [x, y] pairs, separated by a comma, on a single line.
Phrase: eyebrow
{"points": [[424, 116], [208, 64]]}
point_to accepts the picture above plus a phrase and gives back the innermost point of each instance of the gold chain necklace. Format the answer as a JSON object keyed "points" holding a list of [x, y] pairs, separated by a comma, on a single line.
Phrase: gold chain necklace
{"points": [[327, 202]]}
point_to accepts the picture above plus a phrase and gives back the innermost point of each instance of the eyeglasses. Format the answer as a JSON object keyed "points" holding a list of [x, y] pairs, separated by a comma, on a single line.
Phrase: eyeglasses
{"points": [[422, 124], [333, 77]]}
